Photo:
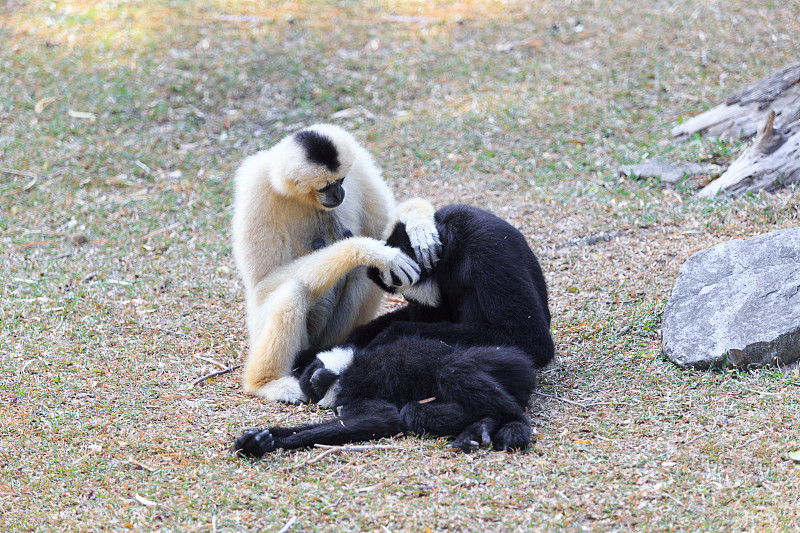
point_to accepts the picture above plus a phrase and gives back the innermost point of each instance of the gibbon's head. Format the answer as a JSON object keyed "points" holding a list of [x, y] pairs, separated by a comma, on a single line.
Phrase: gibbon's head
{"points": [[312, 165]]}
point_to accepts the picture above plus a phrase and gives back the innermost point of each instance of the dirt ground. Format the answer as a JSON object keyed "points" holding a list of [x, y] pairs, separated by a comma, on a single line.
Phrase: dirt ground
{"points": [[121, 123]]}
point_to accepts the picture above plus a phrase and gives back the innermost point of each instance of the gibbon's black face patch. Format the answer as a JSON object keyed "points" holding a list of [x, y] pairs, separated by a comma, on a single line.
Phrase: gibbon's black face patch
{"points": [[319, 149]]}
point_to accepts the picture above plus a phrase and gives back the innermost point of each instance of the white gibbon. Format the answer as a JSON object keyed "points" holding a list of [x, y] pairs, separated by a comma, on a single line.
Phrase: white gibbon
{"points": [[302, 247]]}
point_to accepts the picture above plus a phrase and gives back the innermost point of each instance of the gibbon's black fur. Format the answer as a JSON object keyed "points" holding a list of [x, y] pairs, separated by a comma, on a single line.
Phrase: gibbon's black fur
{"points": [[422, 386], [319, 148], [470, 338], [487, 289]]}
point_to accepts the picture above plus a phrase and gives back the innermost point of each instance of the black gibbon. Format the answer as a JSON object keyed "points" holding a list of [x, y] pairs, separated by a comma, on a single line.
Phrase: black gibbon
{"points": [[470, 338], [423, 386], [486, 289], [302, 247]]}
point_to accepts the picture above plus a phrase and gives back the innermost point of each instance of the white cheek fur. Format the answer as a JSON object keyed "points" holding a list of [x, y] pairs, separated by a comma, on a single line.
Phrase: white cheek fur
{"points": [[331, 395], [337, 359]]}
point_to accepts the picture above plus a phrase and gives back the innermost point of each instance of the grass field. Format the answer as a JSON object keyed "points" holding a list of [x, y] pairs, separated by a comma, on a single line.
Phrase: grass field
{"points": [[121, 123]]}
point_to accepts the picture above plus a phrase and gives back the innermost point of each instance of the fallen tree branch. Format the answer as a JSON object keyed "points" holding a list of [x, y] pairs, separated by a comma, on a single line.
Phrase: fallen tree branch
{"points": [[164, 330], [771, 162], [676, 448], [357, 448], [749, 441], [165, 229], [330, 450], [742, 112], [215, 374], [288, 525]]}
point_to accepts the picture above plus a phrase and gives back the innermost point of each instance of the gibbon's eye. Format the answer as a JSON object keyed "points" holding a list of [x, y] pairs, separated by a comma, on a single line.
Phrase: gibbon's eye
{"points": [[331, 184], [331, 195]]}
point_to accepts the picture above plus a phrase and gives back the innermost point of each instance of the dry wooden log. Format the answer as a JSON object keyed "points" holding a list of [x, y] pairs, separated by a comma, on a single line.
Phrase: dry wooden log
{"points": [[741, 114], [669, 172], [771, 162]]}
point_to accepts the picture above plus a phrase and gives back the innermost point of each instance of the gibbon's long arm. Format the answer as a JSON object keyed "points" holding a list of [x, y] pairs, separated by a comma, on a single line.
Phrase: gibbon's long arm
{"points": [[513, 435], [365, 420], [286, 296], [320, 270], [417, 214]]}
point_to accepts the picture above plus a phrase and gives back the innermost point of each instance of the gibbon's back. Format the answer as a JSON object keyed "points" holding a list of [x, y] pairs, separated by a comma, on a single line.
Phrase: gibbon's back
{"points": [[481, 243]]}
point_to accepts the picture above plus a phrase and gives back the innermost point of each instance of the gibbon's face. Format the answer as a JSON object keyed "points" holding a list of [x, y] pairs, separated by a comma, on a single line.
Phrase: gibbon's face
{"points": [[319, 172], [331, 195]]}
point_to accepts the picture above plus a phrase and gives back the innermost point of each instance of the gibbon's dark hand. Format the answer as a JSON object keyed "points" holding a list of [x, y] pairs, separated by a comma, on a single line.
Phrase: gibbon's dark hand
{"points": [[254, 443], [426, 244]]}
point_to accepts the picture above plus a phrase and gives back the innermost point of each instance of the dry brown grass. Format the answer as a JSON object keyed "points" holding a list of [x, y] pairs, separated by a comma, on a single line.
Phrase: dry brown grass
{"points": [[120, 289]]}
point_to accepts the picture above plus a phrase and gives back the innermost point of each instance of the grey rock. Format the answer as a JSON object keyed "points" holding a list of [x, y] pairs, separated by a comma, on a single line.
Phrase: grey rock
{"points": [[668, 172], [737, 303]]}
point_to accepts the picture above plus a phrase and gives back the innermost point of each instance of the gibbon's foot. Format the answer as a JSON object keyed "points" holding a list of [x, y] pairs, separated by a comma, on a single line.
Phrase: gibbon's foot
{"points": [[464, 444], [402, 270], [512, 436], [413, 417], [285, 389], [254, 443], [477, 434]]}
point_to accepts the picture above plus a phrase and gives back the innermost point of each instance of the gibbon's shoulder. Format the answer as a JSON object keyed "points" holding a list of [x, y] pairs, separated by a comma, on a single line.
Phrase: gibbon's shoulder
{"points": [[463, 225], [470, 217]]}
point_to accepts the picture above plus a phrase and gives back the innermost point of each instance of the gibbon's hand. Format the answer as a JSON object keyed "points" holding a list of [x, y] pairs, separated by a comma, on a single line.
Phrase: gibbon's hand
{"points": [[254, 443], [402, 271], [425, 242]]}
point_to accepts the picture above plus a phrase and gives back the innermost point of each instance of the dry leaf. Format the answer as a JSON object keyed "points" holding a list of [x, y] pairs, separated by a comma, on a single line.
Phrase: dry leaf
{"points": [[42, 104], [353, 112], [144, 501], [402, 115], [91, 117], [507, 47], [28, 186], [233, 115]]}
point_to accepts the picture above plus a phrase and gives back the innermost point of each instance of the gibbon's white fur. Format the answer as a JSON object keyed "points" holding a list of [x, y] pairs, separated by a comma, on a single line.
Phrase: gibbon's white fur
{"points": [[302, 239], [426, 293], [336, 360]]}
